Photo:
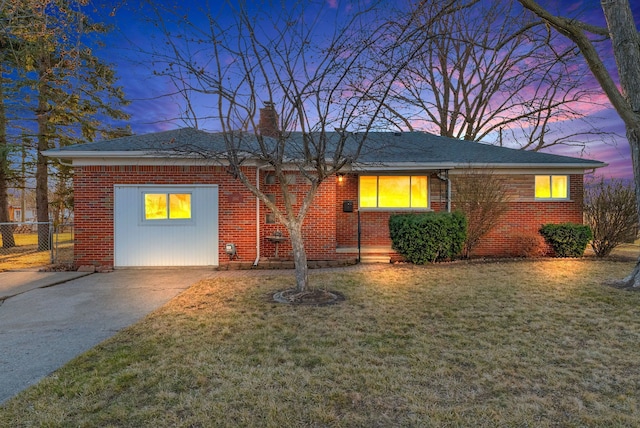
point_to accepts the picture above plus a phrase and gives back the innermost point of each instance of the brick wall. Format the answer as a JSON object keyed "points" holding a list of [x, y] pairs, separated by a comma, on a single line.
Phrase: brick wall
{"points": [[94, 199], [319, 227], [523, 219], [526, 215], [374, 224], [326, 226], [347, 222]]}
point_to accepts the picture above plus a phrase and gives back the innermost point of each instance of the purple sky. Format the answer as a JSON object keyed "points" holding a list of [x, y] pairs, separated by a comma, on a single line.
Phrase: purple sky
{"points": [[151, 110]]}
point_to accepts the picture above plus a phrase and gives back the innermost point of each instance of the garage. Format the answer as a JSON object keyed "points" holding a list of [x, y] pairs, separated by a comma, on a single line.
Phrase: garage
{"points": [[165, 225]]}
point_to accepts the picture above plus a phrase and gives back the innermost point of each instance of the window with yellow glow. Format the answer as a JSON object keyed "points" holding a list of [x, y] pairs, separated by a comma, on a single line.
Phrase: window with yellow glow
{"points": [[393, 191], [552, 187], [163, 206]]}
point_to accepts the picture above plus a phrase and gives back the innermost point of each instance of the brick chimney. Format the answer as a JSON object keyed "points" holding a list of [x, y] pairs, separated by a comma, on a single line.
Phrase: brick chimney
{"points": [[268, 124]]}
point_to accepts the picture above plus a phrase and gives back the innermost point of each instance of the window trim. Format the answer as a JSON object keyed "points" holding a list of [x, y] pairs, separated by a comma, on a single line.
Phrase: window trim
{"points": [[165, 221], [410, 208], [550, 177]]}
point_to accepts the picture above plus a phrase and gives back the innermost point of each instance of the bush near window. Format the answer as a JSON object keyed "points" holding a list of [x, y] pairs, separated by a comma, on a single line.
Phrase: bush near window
{"points": [[611, 211], [482, 198], [428, 237], [529, 245], [567, 239]]}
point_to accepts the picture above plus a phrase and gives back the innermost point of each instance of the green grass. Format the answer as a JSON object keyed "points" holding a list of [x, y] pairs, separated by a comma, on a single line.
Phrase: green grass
{"points": [[518, 343], [26, 254]]}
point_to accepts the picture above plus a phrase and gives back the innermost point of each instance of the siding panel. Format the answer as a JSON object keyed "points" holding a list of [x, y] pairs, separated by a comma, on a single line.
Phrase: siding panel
{"points": [[165, 243]]}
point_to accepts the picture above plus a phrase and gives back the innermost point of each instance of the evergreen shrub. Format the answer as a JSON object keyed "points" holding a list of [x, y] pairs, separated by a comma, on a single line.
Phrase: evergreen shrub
{"points": [[567, 239], [428, 237]]}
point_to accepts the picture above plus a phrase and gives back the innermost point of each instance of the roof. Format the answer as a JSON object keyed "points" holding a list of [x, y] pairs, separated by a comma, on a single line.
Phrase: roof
{"points": [[382, 149]]}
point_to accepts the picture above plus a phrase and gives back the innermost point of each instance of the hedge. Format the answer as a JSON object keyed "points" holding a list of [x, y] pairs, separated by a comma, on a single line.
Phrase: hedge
{"points": [[428, 237], [567, 239]]}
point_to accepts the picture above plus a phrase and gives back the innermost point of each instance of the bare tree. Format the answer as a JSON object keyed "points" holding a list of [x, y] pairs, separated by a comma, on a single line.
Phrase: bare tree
{"points": [[621, 28], [314, 69], [612, 214], [492, 72], [482, 198]]}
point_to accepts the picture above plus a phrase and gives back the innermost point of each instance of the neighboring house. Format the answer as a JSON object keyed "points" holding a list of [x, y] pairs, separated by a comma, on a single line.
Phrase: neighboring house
{"points": [[137, 203], [15, 214]]}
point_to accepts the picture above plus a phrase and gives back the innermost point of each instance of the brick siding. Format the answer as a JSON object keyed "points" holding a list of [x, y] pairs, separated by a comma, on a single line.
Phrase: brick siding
{"points": [[326, 227], [94, 219], [522, 220], [526, 215]]}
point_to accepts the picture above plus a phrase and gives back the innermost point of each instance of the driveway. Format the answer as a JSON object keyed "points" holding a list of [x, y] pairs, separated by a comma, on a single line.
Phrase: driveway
{"points": [[41, 329]]}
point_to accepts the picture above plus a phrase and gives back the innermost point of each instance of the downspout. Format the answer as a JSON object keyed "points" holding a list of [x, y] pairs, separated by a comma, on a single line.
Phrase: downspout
{"points": [[448, 192], [444, 176], [257, 260]]}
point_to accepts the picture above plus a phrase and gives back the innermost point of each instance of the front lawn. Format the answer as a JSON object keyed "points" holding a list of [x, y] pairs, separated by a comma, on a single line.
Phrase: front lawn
{"points": [[516, 343]]}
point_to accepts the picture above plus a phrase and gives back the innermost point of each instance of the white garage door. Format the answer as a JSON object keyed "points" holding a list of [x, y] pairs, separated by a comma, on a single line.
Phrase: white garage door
{"points": [[166, 225]]}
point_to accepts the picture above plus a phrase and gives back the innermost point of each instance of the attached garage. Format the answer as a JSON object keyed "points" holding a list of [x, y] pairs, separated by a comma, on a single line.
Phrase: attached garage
{"points": [[153, 200], [165, 225]]}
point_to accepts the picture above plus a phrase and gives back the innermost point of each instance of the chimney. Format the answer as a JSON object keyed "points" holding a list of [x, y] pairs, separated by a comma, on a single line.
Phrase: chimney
{"points": [[268, 124]]}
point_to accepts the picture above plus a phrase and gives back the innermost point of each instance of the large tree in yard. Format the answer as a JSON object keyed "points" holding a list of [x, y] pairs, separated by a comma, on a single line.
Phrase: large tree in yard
{"points": [[625, 41], [310, 65], [67, 94], [493, 72]]}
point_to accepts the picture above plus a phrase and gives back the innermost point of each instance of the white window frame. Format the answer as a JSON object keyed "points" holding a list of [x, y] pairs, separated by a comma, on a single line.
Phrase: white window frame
{"points": [[550, 177], [165, 221], [378, 208]]}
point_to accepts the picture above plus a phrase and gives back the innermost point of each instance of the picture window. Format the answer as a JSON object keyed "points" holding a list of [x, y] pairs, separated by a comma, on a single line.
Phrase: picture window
{"points": [[391, 191]]}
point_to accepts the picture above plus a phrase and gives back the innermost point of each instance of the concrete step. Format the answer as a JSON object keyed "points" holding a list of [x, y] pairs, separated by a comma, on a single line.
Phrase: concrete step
{"points": [[365, 250], [375, 258]]}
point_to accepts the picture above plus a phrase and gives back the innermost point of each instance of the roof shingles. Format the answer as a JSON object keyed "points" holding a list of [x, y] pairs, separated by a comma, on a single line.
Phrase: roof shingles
{"points": [[379, 148]]}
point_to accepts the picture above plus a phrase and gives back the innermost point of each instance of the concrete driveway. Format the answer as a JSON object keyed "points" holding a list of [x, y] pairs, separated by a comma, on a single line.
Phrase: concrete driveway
{"points": [[41, 329]]}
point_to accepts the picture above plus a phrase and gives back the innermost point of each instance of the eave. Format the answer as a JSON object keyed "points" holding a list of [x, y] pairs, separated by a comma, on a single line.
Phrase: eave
{"points": [[87, 158], [413, 166]]}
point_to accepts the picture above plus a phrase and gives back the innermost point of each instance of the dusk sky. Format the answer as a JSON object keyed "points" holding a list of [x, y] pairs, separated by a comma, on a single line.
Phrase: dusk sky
{"points": [[151, 110]]}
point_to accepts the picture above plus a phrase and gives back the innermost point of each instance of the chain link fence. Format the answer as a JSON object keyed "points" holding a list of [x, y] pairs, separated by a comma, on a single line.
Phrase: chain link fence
{"points": [[33, 244]]}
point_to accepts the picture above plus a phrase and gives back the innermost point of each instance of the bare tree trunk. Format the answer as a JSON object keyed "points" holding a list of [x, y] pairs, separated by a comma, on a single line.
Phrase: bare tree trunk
{"points": [[633, 135], [42, 174], [299, 256], [6, 231], [42, 200], [626, 49]]}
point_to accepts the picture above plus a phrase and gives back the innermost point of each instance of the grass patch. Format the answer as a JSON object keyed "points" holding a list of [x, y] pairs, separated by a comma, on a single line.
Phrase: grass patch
{"points": [[26, 253], [524, 343]]}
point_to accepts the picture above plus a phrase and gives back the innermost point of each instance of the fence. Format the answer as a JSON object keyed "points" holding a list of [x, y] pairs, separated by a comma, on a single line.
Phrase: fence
{"points": [[26, 245]]}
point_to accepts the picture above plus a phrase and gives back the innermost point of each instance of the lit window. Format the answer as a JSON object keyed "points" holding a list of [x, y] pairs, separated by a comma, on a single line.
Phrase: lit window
{"points": [[163, 206], [552, 187], [391, 191]]}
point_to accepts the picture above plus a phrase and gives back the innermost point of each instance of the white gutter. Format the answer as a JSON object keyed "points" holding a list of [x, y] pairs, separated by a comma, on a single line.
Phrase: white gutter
{"points": [[409, 166], [87, 157]]}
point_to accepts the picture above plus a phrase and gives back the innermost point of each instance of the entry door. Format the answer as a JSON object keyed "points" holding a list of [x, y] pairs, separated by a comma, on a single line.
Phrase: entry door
{"points": [[165, 225]]}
